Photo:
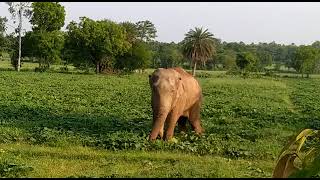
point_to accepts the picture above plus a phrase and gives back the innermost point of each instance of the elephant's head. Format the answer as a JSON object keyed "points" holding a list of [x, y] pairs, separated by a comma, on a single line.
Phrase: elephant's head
{"points": [[166, 87]]}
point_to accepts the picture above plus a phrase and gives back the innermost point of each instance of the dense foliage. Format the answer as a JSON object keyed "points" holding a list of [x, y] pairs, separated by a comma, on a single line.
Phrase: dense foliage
{"points": [[47, 16], [96, 43]]}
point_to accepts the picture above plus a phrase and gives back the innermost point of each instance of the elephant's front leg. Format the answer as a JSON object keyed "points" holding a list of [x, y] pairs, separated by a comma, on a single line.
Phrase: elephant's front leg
{"points": [[172, 121], [161, 130]]}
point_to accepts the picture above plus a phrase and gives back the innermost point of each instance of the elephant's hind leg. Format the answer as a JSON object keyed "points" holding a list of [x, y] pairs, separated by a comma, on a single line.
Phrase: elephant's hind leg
{"points": [[195, 118]]}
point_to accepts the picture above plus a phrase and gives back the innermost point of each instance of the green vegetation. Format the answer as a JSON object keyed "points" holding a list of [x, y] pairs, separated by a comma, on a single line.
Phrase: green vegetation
{"points": [[246, 61], [46, 41], [305, 60], [39, 161], [69, 122], [247, 122], [146, 30], [95, 43]]}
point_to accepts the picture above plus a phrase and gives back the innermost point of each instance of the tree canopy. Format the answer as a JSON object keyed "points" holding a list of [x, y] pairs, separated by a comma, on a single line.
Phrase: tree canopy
{"points": [[305, 59], [46, 41], [146, 30], [96, 42], [47, 16], [198, 45]]}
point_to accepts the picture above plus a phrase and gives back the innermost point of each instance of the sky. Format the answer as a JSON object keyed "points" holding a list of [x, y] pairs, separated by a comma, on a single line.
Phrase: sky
{"points": [[282, 22]]}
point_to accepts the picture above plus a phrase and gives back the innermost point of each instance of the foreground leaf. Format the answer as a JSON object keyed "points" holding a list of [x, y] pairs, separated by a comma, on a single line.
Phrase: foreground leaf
{"points": [[285, 166]]}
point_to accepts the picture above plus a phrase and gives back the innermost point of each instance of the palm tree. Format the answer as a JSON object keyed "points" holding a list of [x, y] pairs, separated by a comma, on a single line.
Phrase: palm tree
{"points": [[198, 45]]}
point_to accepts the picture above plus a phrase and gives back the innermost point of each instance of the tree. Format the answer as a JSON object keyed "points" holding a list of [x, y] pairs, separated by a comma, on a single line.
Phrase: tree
{"points": [[96, 43], [228, 59], [146, 30], [3, 21], [265, 58], [138, 57], [175, 57], [19, 8], [229, 62], [198, 45], [291, 49], [46, 41], [131, 30], [246, 61], [316, 44], [305, 59], [237, 47], [155, 46], [3, 40], [47, 16], [169, 55], [46, 46]]}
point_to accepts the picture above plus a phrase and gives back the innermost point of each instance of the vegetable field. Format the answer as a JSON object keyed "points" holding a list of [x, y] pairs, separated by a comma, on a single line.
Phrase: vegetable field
{"points": [[77, 125]]}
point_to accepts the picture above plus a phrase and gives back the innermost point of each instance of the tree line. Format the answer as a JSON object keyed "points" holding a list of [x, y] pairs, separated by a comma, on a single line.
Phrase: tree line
{"points": [[109, 46]]}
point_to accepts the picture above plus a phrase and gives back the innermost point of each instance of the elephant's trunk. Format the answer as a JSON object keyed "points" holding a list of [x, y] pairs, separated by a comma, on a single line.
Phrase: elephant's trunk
{"points": [[158, 124], [161, 107]]}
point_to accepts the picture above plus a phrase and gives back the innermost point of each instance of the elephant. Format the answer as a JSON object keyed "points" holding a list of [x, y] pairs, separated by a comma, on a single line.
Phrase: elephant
{"points": [[176, 97]]}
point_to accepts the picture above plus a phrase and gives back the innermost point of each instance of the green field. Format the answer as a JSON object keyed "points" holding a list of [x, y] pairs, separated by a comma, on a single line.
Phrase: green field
{"points": [[76, 125]]}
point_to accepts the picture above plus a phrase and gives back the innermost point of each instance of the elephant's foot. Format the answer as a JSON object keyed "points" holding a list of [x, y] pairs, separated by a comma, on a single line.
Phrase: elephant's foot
{"points": [[199, 131]]}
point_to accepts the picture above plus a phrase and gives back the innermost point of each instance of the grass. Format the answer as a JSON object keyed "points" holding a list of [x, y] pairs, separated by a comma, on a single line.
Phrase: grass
{"points": [[65, 125], [87, 162]]}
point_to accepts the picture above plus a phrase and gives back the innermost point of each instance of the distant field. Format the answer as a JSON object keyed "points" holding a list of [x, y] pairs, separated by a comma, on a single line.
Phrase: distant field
{"points": [[47, 118], [29, 66]]}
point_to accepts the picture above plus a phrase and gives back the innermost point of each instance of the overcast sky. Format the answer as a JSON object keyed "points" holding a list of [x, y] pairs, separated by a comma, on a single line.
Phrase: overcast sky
{"points": [[285, 22]]}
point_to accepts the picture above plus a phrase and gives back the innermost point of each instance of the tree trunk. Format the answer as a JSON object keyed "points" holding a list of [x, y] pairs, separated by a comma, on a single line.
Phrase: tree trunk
{"points": [[194, 68], [20, 27], [97, 68]]}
